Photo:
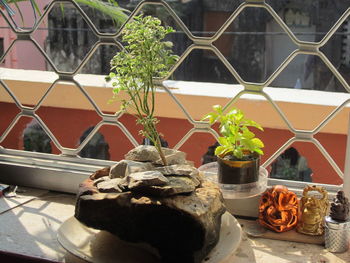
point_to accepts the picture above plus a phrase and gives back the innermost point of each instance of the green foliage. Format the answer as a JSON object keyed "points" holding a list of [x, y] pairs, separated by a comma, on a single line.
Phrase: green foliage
{"points": [[145, 57], [236, 138], [109, 8]]}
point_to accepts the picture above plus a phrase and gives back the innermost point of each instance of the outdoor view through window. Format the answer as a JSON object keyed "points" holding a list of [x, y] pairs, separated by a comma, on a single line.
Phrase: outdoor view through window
{"points": [[58, 109]]}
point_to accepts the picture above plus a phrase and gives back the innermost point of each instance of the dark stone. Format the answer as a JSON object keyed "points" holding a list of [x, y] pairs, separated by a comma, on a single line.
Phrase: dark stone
{"points": [[183, 228], [340, 207], [125, 167], [110, 186], [176, 185], [101, 179], [145, 179], [87, 188], [181, 170], [100, 173]]}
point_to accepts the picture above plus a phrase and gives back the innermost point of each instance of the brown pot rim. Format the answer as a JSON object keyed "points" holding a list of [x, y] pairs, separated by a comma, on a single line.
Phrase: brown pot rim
{"points": [[239, 163]]}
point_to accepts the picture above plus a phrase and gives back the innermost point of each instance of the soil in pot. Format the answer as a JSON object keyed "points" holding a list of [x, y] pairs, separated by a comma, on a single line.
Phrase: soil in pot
{"points": [[233, 171]]}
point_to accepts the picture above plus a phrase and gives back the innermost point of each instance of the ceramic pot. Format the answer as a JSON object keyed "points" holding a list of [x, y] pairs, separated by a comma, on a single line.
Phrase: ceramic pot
{"points": [[238, 172]]}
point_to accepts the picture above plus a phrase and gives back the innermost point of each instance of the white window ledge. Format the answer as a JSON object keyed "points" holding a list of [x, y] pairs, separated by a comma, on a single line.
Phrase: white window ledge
{"points": [[304, 108]]}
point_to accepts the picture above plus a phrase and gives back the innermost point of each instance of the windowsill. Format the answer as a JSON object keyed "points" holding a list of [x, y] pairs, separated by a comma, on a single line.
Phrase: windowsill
{"points": [[31, 231]]}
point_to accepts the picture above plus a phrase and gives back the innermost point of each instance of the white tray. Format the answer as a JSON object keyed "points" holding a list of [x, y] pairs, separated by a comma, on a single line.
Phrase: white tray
{"points": [[102, 247]]}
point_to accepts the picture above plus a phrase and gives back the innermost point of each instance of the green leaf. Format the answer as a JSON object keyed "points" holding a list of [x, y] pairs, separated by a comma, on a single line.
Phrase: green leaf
{"points": [[211, 117], [257, 142], [36, 7], [247, 144], [248, 134], [259, 151], [223, 141], [217, 108], [222, 151], [19, 11], [238, 117], [236, 137], [225, 129], [238, 153], [253, 124], [233, 112], [232, 139]]}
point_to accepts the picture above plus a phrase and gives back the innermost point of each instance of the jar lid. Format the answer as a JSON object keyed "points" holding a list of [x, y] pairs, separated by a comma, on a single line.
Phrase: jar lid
{"points": [[333, 224]]}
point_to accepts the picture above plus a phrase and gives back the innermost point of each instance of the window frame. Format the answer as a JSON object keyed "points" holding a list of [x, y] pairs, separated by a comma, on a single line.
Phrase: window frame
{"points": [[66, 163]]}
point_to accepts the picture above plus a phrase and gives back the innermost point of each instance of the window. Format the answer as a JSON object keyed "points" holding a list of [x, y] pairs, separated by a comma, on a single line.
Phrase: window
{"points": [[280, 62]]}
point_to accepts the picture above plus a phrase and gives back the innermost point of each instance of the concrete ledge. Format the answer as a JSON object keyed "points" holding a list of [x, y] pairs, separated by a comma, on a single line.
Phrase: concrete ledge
{"points": [[304, 108]]}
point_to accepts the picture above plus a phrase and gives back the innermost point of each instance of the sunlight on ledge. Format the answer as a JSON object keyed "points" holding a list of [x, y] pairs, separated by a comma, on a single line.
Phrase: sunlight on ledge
{"points": [[196, 96]]}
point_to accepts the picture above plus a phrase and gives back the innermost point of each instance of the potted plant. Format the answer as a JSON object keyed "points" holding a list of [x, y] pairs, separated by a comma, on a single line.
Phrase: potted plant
{"points": [[239, 150], [145, 57], [179, 208]]}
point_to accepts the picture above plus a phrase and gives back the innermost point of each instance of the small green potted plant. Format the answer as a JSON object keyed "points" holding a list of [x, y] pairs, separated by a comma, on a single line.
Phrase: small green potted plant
{"points": [[239, 150], [145, 57]]}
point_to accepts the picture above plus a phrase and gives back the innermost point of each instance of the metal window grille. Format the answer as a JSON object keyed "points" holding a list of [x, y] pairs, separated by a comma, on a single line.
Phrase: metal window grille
{"points": [[70, 155]]}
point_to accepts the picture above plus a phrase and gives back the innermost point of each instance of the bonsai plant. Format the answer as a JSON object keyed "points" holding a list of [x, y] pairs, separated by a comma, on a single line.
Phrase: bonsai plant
{"points": [[133, 70], [239, 150]]}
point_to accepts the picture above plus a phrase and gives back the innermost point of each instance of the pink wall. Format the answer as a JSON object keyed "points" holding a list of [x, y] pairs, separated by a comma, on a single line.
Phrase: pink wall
{"points": [[23, 54], [68, 125]]}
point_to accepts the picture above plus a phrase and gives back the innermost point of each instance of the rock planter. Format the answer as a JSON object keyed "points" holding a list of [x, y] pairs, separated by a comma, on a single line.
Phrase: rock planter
{"points": [[172, 208]]}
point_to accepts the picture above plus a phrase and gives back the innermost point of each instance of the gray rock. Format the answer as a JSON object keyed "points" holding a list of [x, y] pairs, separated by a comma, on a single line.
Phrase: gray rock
{"points": [[148, 153], [174, 157], [110, 186], [181, 170], [126, 167], [195, 176], [176, 169], [118, 169], [176, 185], [147, 178], [101, 179], [143, 153]]}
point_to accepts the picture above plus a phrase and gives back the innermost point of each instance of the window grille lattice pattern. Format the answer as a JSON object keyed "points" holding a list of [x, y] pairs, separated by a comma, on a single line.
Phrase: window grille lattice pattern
{"points": [[204, 43]]}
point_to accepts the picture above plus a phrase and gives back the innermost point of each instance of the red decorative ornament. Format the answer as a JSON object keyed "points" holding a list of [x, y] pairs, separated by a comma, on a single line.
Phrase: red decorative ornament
{"points": [[278, 209]]}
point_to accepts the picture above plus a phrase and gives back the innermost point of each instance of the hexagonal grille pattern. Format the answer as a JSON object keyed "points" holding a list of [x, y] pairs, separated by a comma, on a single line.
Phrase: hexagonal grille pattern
{"points": [[204, 43]]}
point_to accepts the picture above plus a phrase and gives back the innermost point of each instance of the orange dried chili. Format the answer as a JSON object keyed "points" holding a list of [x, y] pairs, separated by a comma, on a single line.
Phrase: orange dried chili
{"points": [[278, 209]]}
